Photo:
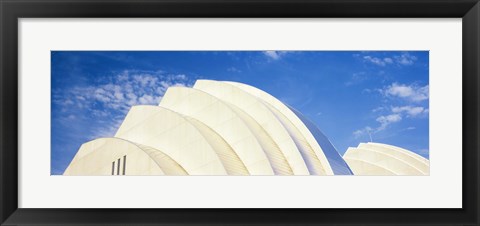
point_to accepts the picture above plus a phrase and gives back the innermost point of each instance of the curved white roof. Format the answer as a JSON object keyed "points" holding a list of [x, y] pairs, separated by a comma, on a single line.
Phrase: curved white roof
{"points": [[229, 128], [171, 132], [263, 116], [319, 154], [102, 157], [221, 118], [381, 159]]}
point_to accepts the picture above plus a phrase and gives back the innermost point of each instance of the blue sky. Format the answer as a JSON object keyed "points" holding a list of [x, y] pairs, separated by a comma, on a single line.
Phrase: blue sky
{"points": [[350, 95]]}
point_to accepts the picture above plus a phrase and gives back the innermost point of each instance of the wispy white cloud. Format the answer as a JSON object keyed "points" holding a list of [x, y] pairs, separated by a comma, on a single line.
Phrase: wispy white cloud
{"points": [[356, 78], [107, 100], [148, 99], [404, 59], [386, 120], [393, 115], [410, 111], [121, 92], [377, 109], [275, 55], [408, 92], [234, 69], [387, 60], [107, 130], [417, 107], [378, 61], [361, 132]]}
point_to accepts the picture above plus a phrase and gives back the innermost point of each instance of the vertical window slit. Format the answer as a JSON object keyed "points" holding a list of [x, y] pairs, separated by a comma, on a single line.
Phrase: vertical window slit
{"points": [[113, 168], [118, 167], [124, 163]]}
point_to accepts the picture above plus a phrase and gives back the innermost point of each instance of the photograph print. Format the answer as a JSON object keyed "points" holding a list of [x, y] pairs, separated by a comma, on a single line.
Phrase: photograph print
{"points": [[135, 113]]}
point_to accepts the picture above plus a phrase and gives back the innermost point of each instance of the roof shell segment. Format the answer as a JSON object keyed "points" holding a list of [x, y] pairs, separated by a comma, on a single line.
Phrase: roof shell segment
{"points": [[412, 159], [99, 157], [257, 110], [306, 135], [313, 163], [337, 163], [167, 164], [392, 160], [405, 152], [166, 130], [226, 120], [230, 160]]}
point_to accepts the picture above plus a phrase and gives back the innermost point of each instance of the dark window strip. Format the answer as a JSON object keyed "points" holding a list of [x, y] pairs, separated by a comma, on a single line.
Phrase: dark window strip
{"points": [[124, 163], [118, 167], [113, 168]]}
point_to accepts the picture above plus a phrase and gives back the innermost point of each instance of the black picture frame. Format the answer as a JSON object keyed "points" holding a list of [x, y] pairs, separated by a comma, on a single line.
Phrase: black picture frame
{"points": [[12, 10]]}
